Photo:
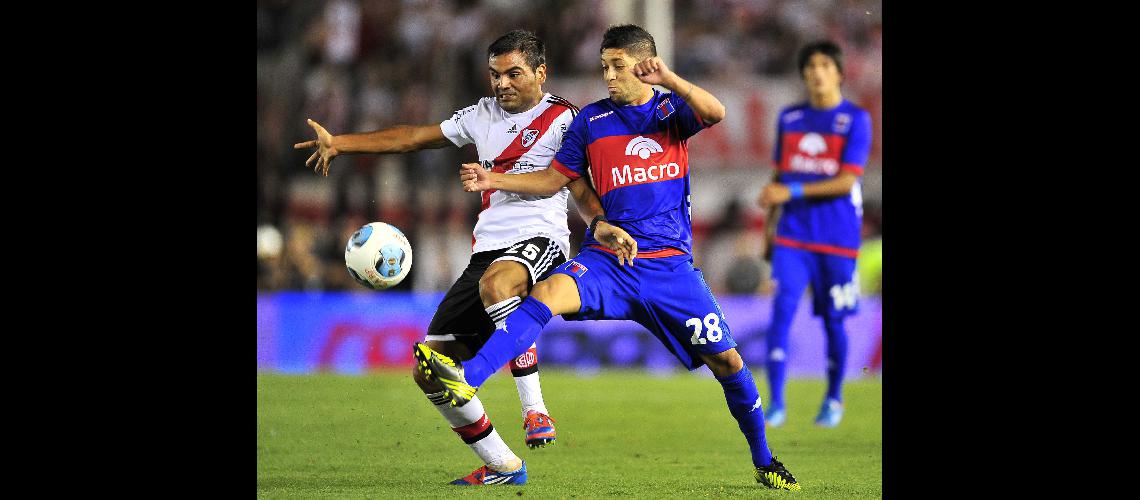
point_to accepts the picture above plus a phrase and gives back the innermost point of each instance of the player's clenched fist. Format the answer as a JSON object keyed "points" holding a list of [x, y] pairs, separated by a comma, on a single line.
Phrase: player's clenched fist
{"points": [[774, 194], [652, 71], [474, 177]]}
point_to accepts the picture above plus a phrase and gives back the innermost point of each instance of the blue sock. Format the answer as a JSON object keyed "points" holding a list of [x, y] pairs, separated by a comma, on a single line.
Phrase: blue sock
{"points": [[783, 308], [836, 356], [744, 404], [521, 330]]}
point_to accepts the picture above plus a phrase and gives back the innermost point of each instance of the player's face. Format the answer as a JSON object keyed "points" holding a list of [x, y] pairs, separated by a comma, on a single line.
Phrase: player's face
{"points": [[517, 87], [821, 75], [617, 71]]}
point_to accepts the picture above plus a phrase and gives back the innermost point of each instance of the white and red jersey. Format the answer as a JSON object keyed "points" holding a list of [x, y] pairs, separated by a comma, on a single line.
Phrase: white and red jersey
{"points": [[515, 144]]}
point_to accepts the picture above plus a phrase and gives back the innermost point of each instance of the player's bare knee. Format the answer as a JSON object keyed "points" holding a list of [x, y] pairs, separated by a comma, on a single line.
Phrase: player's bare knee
{"points": [[497, 287], [558, 292], [724, 363]]}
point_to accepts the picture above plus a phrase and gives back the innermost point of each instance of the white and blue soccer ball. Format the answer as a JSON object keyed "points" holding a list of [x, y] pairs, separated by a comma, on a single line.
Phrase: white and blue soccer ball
{"points": [[378, 256]]}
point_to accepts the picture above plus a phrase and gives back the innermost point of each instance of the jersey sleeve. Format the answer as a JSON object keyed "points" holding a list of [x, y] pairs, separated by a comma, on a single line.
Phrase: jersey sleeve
{"points": [[457, 129], [571, 159], [858, 146], [688, 121]]}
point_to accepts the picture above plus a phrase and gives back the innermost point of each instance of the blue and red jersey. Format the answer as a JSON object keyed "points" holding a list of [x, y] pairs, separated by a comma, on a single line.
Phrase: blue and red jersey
{"points": [[638, 159], [814, 145]]}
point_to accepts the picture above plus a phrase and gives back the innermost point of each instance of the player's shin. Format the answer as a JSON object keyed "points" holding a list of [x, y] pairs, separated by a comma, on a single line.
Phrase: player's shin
{"points": [[836, 357], [518, 332], [777, 337], [744, 404], [524, 369], [470, 422]]}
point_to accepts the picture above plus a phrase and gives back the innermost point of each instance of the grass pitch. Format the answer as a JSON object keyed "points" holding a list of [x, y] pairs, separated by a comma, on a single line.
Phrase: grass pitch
{"points": [[624, 434]]}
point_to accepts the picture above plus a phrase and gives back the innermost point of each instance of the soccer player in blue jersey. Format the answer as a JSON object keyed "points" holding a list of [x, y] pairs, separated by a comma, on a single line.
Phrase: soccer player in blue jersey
{"points": [[821, 147], [633, 146]]}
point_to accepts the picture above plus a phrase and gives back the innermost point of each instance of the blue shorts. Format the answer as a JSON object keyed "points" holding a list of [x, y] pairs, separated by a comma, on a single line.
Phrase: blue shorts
{"points": [[666, 295], [834, 283]]}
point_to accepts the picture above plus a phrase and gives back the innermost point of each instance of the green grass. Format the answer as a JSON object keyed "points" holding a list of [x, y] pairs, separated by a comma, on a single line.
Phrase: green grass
{"points": [[620, 433]]}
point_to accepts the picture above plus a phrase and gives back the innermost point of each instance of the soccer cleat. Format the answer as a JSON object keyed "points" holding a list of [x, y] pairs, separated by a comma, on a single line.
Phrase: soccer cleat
{"points": [[776, 476], [449, 373], [486, 475], [775, 416], [830, 414], [539, 429]]}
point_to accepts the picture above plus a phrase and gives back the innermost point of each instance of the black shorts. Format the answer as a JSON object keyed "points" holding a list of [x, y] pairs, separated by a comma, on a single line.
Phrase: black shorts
{"points": [[461, 316]]}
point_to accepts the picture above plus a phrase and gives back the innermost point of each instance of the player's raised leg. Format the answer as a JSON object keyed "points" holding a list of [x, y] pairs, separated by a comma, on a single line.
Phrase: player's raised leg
{"points": [[470, 423], [519, 331], [557, 294], [501, 289]]}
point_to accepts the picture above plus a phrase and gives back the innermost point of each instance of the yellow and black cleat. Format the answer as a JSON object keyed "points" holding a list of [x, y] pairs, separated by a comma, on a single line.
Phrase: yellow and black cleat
{"points": [[449, 373], [776, 476]]}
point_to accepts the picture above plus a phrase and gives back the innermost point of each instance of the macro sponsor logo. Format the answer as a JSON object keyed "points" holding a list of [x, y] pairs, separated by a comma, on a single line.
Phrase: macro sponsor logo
{"points": [[603, 115], [636, 175], [813, 145], [642, 147]]}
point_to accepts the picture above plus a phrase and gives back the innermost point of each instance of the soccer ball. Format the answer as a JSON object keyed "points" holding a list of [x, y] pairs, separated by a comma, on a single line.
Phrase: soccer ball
{"points": [[378, 256]]}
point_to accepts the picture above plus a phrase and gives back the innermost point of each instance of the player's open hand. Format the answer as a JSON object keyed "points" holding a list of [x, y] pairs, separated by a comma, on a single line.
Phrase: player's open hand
{"points": [[652, 71], [325, 152], [474, 177], [616, 239], [774, 194]]}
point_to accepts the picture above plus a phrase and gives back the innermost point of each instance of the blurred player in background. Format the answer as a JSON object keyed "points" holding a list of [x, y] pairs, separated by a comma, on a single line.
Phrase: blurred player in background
{"points": [[633, 146], [821, 148], [516, 240]]}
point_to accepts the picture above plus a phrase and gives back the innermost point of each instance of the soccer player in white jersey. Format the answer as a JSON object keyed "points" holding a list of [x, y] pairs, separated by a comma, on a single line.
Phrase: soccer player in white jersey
{"points": [[517, 239]]}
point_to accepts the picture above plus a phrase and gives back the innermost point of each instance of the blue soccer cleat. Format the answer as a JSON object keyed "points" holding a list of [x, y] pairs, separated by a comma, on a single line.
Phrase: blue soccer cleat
{"points": [[486, 475], [830, 414], [775, 416]]}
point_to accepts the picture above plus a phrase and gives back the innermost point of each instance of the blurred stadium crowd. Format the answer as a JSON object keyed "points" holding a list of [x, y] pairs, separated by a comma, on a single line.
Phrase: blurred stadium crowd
{"points": [[362, 65]]}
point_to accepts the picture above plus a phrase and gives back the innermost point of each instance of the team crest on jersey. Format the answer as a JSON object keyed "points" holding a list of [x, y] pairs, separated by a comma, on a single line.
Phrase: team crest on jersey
{"points": [[576, 268], [842, 123], [664, 109], [528, 137]]}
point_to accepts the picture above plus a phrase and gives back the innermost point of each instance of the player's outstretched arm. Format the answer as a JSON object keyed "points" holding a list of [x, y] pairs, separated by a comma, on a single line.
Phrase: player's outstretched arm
{"points": [[544, 182], [609, 235], [397, 139], [654, 72]]}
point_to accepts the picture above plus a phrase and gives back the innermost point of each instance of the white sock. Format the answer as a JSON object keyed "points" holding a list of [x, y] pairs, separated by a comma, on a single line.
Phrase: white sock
{"points": [[500, 310], [525, 371], [470, 422]]}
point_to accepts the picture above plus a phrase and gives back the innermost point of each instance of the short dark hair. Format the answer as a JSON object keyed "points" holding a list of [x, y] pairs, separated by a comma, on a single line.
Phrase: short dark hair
{"points": [[630, 38], [523, 41], [825, 47]]}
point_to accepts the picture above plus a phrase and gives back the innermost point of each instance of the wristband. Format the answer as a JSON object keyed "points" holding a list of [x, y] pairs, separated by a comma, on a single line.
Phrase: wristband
{"points": [[594, 223], [797, 190]]}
